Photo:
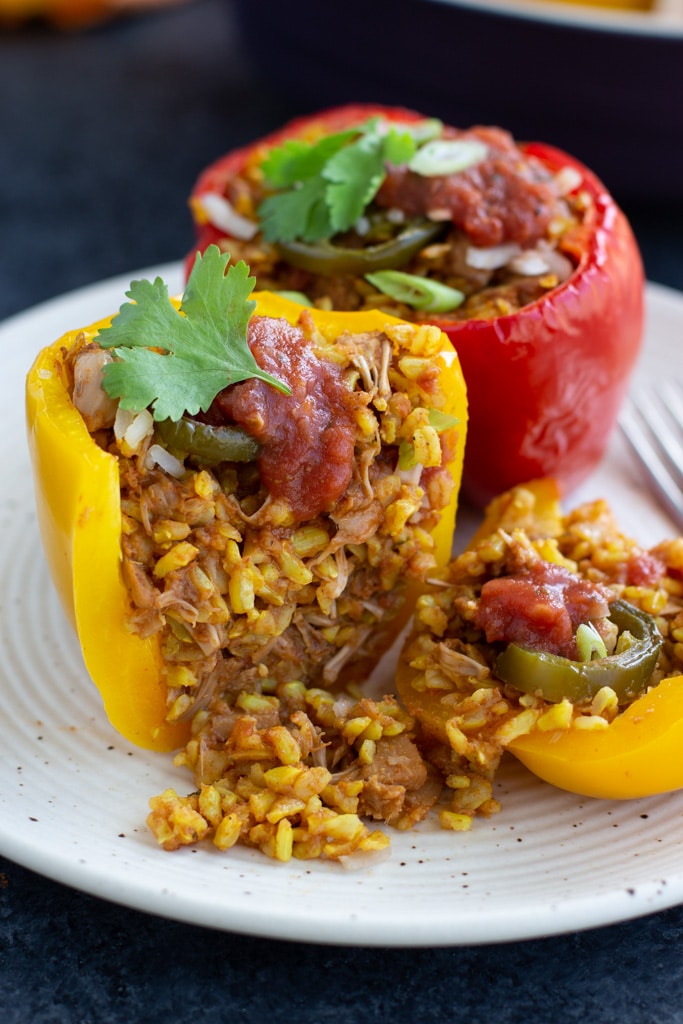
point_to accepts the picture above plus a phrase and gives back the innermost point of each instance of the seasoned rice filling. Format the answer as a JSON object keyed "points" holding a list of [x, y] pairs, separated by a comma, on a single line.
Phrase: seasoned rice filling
{"points": [[453, 663], [269, 622], [510, 231], [261, 614], [298, 771]]}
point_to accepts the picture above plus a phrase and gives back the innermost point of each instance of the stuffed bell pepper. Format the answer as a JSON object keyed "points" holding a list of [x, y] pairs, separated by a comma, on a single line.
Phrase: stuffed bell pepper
{"points": [[559, 639], [516, 251], [240, 500]]}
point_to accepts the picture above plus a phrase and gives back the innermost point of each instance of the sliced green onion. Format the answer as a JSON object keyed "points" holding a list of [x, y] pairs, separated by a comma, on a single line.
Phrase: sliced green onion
{"points": [[407, 457], [422, 131], [299, 297], [448, 156], [419, 292], [442, 420], [589, 643]]}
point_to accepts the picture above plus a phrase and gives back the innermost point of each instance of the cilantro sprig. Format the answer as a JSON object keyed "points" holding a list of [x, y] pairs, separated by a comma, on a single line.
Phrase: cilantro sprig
{"points": [[323, 187], [175, 361]]}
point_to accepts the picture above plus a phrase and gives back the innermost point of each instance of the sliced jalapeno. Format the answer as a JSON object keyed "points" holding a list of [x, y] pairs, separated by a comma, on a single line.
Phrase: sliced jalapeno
{"points": [[209, 444], [325, 257], [553, 677]]}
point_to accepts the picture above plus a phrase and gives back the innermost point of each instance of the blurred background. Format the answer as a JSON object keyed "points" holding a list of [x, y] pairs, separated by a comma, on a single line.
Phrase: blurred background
{"points": [[110, 108]]}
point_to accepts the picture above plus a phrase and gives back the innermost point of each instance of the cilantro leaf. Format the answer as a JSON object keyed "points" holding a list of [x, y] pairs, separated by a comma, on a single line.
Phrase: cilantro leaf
{"points": [[399, 146], [295, 160], [176, 361], [355, 174], [299, 213], [323, 187], [357, 171]]}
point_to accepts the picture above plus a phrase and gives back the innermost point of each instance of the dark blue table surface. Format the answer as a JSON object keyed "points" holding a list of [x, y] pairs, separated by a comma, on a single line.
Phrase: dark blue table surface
{"points": [[102, 133]]}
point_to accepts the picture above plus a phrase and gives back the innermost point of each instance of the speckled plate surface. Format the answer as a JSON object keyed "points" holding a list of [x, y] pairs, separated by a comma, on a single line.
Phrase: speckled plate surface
{"points": [[73, 795]]}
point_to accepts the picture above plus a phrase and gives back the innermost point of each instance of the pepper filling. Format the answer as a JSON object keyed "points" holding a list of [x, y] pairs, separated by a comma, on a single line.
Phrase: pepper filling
{"points": [[481, 241], [498, 646]]}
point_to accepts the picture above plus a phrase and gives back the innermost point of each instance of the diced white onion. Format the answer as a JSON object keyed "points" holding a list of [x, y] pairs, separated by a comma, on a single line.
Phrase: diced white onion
{"points": [[411, 476], [559, 264], [223, 215], [530, 262], [160, 457], [492, 257], [342, 705], [132, 428], [440, 214], [567, 180], [124, 418], [395, 216], [141, 428]]}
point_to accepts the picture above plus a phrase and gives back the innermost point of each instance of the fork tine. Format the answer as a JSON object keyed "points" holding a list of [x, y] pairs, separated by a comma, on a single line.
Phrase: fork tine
{"points": [[653, 427]]}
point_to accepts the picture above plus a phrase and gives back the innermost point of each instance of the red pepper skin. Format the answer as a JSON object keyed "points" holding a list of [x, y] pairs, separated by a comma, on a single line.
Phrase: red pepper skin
{"points": [[545, 384]]}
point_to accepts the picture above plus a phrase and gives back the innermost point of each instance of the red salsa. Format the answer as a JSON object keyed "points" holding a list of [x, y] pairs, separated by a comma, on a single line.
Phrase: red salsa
{"points": [[540, 608], [307, 438]]}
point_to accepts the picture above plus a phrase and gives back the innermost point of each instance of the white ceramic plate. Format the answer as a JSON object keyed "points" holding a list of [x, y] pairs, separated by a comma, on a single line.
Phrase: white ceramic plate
{"points": [[73, 795], [665, 17]]}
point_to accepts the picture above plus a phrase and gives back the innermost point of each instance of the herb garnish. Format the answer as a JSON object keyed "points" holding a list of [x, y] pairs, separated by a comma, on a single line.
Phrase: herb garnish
{"points": [[325, 186], [203, 344]]}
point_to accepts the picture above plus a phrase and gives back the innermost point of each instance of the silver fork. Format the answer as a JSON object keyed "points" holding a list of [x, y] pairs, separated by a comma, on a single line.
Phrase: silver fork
{"points": [[652, 424]]}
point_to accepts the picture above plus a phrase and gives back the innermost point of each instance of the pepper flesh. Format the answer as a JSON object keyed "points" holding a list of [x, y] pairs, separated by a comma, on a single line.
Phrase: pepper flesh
{"points": [[545, 383], [636, 755], [78, 507]]}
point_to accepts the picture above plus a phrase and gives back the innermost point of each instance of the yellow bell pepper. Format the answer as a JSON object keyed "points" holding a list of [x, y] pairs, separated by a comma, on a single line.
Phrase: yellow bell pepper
{"points": [[78, 506], [637, 754]]}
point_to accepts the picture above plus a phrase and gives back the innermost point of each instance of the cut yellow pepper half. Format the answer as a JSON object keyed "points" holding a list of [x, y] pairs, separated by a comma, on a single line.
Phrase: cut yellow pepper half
{"points": [[637, 754], [79, 514]]}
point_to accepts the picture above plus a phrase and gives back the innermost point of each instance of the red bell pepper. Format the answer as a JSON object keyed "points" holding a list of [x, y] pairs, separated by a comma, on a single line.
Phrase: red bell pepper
{"points": [[546, 382]]}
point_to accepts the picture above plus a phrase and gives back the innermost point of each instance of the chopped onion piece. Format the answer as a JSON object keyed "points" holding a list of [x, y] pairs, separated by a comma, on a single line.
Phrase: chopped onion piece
{"points": [[567, 180], [395, 216], [140, 428], [124, 418], [225, 217], [448, 156], [440, 214], [412, 475], [492, 257], [559, 264], [530, 262], [160, 457], [342, 705]]}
